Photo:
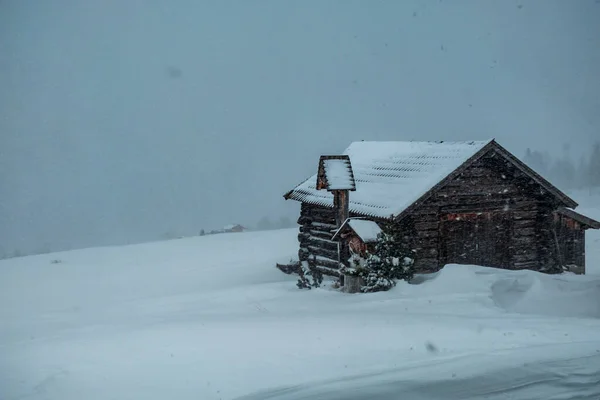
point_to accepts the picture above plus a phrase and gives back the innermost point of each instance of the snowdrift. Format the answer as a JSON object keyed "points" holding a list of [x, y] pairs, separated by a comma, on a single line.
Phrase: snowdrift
{"points": [[524, 292]]}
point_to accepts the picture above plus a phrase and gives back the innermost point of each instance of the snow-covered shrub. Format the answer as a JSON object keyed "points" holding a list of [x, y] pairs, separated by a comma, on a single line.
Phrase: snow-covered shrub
{"points": [[381, 273], [357, 262], [309, 278], [389, 262]]}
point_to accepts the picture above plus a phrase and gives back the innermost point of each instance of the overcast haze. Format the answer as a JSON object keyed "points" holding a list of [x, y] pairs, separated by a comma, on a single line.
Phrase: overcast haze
{"points": [[123, 120]]}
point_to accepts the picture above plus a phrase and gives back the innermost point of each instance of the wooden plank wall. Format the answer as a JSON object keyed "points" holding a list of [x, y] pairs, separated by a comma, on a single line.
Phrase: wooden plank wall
{"points": [[571, 241], [490, 185]]}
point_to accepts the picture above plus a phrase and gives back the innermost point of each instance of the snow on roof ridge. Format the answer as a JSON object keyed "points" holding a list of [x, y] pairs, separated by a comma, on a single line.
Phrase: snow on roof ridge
{"points": [[448, 142]]}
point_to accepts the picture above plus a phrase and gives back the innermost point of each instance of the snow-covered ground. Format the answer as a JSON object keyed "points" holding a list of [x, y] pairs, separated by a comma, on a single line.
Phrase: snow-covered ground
{"points": [[211, 318]]}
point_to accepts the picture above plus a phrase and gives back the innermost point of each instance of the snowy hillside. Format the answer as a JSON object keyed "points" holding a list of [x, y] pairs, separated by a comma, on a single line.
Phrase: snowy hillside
{"points": [[211, 318]]}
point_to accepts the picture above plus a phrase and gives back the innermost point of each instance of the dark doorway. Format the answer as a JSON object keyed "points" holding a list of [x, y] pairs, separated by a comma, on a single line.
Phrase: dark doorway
{"points": [[482, 238]]}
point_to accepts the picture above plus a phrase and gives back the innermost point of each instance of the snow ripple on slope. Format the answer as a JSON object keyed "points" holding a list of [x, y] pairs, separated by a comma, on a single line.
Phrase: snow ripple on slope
{"points": [[568, 372]]}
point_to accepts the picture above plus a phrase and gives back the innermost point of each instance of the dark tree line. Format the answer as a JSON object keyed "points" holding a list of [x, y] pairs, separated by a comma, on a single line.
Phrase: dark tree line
{"points": [[565, 171]]}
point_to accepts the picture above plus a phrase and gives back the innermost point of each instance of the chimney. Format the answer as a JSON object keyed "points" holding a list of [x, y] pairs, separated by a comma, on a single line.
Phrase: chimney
{"points": [[336, 176], [341, 206]]}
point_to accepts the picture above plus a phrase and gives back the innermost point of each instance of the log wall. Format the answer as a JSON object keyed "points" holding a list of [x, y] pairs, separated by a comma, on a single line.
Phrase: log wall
{"points": [[317, 225]]}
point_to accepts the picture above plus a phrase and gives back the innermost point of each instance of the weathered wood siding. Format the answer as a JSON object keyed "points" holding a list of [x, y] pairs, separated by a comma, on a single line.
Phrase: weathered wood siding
{"points": [[491, 214], [570, 240]]}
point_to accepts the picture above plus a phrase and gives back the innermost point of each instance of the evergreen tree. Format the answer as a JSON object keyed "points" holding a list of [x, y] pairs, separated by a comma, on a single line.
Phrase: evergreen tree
{"points": [[537, 160], [264, 224], [285, 222], [309, 278], [390, 261], [528, 157], [594, 167], [581, 175], [563, 173]]}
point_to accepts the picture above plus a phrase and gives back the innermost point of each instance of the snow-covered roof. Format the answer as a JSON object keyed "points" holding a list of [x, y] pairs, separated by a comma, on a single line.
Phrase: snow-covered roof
{"points": [[390, 176], [335, 173], [582, 219], [365, 229], [231, 226]]}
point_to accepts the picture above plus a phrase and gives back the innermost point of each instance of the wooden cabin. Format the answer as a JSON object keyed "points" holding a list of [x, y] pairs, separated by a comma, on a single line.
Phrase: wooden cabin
{"points": [[457, 202], [234, 228]]}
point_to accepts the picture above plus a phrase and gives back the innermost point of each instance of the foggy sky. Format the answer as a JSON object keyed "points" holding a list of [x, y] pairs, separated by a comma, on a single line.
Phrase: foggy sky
{"points": [[123, 120]]}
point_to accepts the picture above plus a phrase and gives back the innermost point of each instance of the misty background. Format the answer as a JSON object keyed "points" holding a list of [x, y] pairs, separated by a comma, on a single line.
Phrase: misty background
{"points": [[127, 121]]}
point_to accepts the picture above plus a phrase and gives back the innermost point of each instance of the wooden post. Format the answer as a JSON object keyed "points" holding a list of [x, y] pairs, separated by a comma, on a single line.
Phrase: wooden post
{"points": [[341, 206], [582, 247], [353, 284]]}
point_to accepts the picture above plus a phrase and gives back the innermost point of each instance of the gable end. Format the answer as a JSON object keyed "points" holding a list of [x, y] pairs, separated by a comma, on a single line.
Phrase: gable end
{"points": [[561, 196], [493, 145]]}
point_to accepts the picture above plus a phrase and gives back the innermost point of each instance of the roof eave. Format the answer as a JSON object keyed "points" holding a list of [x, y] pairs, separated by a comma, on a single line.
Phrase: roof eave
{"points": [[582, 219], [290, 193]]}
